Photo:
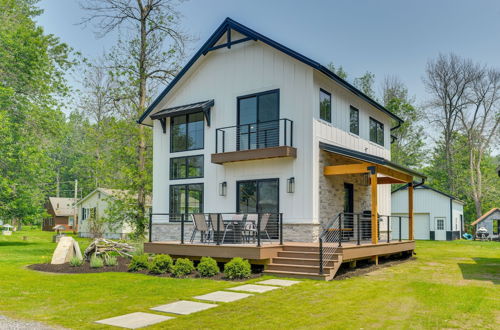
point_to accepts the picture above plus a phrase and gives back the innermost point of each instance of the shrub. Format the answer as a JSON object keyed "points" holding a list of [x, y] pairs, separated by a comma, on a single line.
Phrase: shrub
{"points": [[237, 268], [138, 262], [76, 262], [161, 263], [110, 260], [182, 267], [208, 267], [96, 262]]}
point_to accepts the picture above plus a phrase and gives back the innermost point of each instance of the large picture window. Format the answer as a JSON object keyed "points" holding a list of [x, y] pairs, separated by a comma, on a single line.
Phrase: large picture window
{"points": [[186, 167], [187, 132], [376, 132], [354, 120], [186, 198], [325, 105]]}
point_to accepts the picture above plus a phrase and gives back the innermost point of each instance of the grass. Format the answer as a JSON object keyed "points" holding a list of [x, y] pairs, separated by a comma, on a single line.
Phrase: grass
{"points": [[448, 285]]}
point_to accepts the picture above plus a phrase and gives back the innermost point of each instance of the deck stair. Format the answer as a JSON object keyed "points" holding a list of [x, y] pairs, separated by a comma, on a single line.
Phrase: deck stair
{"points": [[303, 262]]}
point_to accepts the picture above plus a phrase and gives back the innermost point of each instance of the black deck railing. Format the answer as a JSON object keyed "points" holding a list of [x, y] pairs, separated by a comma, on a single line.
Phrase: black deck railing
{"points": [[217, 228], [356, 228], [265, 134]]}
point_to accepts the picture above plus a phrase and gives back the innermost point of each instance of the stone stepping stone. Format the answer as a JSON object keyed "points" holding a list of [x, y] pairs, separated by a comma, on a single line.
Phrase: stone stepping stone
{"points": [[278, 282], [135, 320], [183, 307], [223, 296], [254, 288]]}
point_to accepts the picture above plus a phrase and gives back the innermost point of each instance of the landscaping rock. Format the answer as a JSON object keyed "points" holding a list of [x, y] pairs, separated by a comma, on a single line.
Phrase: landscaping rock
{"points": [[65, 250]]}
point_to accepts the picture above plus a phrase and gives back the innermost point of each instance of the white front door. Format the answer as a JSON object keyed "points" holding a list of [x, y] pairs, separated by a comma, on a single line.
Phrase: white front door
{"points": [[440, 231]]}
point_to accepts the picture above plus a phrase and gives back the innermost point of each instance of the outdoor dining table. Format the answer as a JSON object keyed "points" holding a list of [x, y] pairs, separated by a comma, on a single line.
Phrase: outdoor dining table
{"points": [[235, 232]]}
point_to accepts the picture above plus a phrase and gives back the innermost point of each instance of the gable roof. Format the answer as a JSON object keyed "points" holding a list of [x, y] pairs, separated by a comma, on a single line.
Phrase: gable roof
{"points": [[484, 216], [115, 193], [63, 207], [424, 186], [230, 24]]}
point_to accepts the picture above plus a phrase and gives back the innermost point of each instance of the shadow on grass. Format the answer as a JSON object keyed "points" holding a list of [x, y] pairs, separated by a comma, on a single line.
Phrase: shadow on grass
{"points": [[485, 269], [15, 243]]}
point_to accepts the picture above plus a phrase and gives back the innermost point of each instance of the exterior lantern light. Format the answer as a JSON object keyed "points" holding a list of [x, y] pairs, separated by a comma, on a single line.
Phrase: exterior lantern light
{"points": [[223, 188], [290, 187]]}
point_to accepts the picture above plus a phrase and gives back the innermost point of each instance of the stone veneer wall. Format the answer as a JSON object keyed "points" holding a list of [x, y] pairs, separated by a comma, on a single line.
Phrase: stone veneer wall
{"points": [[331, 189]]}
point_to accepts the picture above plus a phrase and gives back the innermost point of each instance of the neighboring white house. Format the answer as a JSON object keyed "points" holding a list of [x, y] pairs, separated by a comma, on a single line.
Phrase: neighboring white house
{"points": [[248, 125], [95, 205], [438, 216]]}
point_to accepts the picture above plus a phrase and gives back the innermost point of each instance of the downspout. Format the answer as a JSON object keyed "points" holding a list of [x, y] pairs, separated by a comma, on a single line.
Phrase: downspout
{"points": [[451, 219], [393, 138]]}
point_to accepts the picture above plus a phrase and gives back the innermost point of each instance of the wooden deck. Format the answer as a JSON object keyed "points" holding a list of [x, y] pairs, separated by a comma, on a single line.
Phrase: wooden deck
{"points": [[292, 259]]}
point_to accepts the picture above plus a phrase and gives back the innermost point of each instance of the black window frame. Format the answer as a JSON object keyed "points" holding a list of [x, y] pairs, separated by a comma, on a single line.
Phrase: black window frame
{"points": [[202, 203], [186, 160], [186, 116], [378, 125], [351, 110], [321, 90]]}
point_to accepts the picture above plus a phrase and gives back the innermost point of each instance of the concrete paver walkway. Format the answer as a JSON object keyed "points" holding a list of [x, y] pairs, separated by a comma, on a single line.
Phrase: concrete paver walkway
{"points": [[278, 282], [223, 296], [254, 288], [183, 307], [135, 320]]}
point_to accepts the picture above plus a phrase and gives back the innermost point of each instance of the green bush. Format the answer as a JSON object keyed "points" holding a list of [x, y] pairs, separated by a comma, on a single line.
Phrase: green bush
{"points": [[182, 267], [96, 262], [76, 262], [208, 267], [161, 263], [138, 262], [237, 268], [110, 260]]}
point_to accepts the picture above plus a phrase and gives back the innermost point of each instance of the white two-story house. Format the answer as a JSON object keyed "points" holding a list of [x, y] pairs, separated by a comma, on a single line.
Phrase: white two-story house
{"points": [[251, 126]]}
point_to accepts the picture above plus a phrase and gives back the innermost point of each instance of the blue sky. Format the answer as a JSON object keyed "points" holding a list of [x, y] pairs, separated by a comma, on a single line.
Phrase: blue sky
{"points": [[386, 37]]}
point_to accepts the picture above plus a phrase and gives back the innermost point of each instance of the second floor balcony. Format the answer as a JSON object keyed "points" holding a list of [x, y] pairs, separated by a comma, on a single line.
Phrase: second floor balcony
{"points": [[260, 140]]}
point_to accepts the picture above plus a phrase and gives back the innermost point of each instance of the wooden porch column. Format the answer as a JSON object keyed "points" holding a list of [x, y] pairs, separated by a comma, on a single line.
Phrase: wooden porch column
{"points": [[410, 210], [373, 181]]}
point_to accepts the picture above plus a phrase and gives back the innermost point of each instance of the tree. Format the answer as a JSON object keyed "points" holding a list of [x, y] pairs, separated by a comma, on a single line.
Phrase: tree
{"points": [[448, 80], [480, 124], [338, 71], [32, 69], [365, 84], [407, 148], [151, 55]]}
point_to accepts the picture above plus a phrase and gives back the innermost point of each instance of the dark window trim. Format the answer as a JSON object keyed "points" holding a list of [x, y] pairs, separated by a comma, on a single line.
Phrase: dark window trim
{"points": [[171, 131], [186, 161], [357, 112], [277, 90], [383, 133], [257, 191], [187, 199], [330, 95]]}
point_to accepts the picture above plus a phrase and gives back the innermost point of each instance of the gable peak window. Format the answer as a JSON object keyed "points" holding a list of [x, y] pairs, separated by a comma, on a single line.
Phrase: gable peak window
{"points": [[376, 131], [354, 120], [325, 105]]}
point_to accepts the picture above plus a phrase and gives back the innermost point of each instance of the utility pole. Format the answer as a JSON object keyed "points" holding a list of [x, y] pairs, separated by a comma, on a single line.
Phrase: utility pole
{"points": [[75, 222]]}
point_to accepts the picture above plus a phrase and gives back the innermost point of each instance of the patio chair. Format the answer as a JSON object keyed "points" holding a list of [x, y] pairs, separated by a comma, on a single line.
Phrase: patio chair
{"points": [[200, 224], [250, 225], [262, 228]]}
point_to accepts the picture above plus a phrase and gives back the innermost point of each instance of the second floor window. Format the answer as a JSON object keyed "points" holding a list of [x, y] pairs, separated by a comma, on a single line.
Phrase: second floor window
{"points": [[187, 132], [186, 167], [376, 132], [354, 121], [325, 105]]}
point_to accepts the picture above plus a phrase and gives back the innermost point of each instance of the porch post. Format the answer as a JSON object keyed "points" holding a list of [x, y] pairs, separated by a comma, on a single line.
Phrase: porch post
{"points": [[373, 181], [410, 210]]}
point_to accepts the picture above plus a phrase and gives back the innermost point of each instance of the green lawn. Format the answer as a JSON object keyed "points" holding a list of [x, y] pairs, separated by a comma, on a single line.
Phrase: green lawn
{"points": [[448, 285]]}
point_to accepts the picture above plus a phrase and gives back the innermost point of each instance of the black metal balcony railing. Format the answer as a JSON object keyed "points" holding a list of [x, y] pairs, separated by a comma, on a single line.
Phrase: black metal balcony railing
{"points": [[266, 134]]}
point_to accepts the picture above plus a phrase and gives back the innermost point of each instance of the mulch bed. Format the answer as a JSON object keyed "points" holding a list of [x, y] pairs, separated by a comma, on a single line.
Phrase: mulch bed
{"points": [[366, 266], [123, 267]]}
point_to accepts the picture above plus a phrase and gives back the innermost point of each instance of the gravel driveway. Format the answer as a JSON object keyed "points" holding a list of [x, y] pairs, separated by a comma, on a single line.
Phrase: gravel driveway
{"points": [[11, 324]]}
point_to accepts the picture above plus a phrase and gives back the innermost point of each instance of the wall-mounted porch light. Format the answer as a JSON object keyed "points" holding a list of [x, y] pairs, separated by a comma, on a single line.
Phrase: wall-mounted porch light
{"points": [[223, 188], [290, 185]]}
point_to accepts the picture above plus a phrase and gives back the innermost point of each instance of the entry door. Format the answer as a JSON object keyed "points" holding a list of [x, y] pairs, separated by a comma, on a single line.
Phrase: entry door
{"points": [[348, 208], [440, 229], [258, 121], [260, 196]]}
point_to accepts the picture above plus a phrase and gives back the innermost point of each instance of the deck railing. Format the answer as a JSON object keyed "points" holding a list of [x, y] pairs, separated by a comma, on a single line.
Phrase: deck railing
{"points": [[217, 228], [356, 228], [265, 134]]}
